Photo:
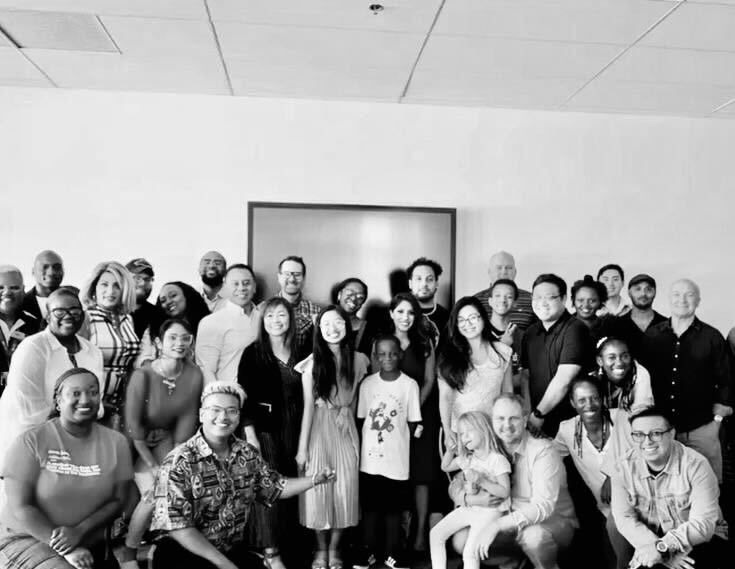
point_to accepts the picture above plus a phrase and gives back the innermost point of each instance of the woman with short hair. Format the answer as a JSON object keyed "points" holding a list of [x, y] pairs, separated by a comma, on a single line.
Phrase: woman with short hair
{"points": [[588, 296]]}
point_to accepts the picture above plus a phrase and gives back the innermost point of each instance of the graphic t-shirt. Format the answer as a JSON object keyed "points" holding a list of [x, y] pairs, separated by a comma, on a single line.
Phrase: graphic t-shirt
{"points": [[75, 476], [387, 407]]}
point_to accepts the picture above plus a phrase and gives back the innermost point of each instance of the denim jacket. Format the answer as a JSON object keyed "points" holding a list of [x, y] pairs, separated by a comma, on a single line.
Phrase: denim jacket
{"points": [[679, 503]]}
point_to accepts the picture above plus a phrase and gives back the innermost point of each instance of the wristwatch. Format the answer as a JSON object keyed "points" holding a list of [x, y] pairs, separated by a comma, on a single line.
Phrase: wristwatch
{"points": [[538, 414], [719, 418], [661, 546]]}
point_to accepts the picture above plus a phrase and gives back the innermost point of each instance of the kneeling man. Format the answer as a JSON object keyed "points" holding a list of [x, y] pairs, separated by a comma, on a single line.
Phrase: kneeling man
{"points": [[664, 498], [206, 486]]}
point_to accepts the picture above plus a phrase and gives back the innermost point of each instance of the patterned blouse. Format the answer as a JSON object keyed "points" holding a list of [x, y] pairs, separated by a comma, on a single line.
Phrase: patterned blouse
{"points": [[115, 336]]}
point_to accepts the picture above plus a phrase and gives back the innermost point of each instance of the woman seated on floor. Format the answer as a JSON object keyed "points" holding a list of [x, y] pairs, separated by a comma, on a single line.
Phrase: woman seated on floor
{"points": [[65, 482]]}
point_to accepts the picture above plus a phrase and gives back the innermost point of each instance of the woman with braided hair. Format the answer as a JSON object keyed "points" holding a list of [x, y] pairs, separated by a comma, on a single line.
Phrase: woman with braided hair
{"points": [[624, 383]]}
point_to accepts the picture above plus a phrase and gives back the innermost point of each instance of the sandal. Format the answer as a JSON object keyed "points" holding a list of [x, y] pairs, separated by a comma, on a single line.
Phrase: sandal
{"points": [[334, 561], [321, 560], [272, 560]]}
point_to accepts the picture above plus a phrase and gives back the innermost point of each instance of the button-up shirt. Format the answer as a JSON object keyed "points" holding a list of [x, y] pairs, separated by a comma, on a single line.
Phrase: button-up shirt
{"points": [[689, 373], [216, 303], [196, 489], [522, 312], [221, 339], [680, 501]]}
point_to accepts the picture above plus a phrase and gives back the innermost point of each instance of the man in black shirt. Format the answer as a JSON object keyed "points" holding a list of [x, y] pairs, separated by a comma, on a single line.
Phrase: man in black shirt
{"points": [[632, 326], [142, 272], [690, 373], [423, 279]]}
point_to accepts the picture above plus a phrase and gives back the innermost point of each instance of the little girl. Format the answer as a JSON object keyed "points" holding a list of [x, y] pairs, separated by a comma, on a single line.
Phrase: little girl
{"points": [[328, 437], [485, 467]]}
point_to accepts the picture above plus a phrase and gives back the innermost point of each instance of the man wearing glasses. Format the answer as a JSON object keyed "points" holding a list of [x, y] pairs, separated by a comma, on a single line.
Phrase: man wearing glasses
{"points": [[554, 350], [291, 276], [207, 485], [39, 360], [143, 274], [664, 499]]}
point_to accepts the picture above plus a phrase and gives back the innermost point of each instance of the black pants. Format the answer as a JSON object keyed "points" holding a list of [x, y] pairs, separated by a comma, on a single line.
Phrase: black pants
{"points": [[169, 554]]}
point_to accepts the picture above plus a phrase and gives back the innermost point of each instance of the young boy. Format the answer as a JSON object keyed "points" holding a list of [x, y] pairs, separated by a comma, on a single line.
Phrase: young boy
{"points": [[389, 411]]}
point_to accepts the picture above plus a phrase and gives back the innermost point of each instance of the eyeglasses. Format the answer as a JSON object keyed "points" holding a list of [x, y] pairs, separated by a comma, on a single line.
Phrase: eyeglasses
{"points": [[185, 339], [653, 436], [142, 279], [472, 319], [216, 411], [61, 312], [352, 294], [548, 298], [292, 275]]}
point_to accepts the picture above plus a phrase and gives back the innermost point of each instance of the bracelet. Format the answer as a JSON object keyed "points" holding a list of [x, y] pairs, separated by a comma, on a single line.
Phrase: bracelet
{"points": [[313, 480], [464, 499]]}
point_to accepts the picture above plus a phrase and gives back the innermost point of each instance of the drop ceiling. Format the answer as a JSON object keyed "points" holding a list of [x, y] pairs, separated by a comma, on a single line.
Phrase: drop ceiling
{"points": [[659, 57]]}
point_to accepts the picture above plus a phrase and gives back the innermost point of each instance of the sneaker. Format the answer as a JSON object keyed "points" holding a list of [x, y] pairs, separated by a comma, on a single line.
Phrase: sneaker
{"points": [[397, 563], [365, 560]]}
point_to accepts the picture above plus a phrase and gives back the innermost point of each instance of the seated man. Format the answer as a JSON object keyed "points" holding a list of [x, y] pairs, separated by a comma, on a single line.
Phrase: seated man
{"points": [[206, 486], [541, 520], [664, 498]]}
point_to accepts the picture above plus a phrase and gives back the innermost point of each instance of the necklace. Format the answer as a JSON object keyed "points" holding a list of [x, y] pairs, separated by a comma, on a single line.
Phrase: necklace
{"points": [[168, 380]]}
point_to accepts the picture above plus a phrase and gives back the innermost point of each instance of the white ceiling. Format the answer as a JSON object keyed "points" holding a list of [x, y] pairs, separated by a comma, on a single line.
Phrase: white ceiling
{"points": [[620, 56]]}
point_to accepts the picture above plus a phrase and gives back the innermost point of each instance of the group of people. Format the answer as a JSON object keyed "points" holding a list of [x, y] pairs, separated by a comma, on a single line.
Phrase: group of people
{"points": [[195, 422]]}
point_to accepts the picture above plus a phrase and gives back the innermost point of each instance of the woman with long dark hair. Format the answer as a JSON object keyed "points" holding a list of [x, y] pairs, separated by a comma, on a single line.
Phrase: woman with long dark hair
{"points": [[474, 368], [271, 417], [328, 437]]}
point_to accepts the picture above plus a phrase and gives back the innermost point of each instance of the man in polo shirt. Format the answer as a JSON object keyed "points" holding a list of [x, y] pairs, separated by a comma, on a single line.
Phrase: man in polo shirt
{"points": [[207, 485], [503, 266], [554, 350], [212, 267], [224, 335], [690, 373], [144, 312], [632, 325], [291, 277], [48, 272]]}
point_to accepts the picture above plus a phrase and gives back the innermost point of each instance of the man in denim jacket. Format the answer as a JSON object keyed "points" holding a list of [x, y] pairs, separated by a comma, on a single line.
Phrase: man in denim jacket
{"points": [[664, 498]]}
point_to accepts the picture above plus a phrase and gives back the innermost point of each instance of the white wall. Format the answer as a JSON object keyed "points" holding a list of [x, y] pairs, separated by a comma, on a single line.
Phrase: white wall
{"points": [[101, 176]]}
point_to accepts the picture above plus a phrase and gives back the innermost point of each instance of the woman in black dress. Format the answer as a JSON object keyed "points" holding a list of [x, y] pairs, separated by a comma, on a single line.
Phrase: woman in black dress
{"points": [[271, 417]]}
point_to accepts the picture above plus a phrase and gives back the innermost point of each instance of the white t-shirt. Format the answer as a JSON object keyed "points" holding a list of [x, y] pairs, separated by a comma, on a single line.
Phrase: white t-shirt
{"points": [[387, 407], [492, 466]]}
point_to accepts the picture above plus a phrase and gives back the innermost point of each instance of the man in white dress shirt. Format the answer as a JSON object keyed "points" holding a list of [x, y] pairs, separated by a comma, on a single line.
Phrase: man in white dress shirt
{"points": [[212, 268]]}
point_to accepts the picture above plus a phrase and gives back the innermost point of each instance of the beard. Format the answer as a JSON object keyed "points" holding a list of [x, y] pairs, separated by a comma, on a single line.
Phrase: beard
{"points": [[214, 281], [645, 305]]}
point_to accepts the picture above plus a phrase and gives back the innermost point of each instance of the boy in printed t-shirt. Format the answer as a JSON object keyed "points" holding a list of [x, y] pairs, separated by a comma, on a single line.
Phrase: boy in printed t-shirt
{"points": [[389, 411]]}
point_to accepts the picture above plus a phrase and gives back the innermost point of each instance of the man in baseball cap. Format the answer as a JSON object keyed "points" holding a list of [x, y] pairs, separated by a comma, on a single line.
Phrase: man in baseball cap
{"points": [[142, 272], [632, 326]]}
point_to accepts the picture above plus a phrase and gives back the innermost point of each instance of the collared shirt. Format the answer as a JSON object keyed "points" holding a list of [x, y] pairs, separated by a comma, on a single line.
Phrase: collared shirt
{"points": [[222, 338], [216, 303], [624, 328], [306, 312], [567, 341], [689, 373], [681, 500], [37, 364], [521, 314], [539, 484], [196, 489], [11, 337]]}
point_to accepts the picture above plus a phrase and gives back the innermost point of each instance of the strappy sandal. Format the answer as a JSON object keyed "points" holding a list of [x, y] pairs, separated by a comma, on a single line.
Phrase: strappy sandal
{"points": [[321, 560]]}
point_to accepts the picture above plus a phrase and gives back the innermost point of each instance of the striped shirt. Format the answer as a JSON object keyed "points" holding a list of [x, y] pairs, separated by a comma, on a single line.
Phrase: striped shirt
{"points": [[521, 314]]}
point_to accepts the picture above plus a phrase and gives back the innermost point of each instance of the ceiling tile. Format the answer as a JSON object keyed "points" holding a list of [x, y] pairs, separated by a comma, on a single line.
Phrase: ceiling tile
{"points": [[696, 26], [75, 70], [659, 98], [187, 9], [513, 58], [397, 15], [55, 30], [17, 70], [153, 36], [666, 65]]}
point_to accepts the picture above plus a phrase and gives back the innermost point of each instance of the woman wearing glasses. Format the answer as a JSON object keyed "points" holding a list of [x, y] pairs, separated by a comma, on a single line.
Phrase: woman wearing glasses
{"points": [[474, 368], [109, 298], [161, 411], [37, 363]]}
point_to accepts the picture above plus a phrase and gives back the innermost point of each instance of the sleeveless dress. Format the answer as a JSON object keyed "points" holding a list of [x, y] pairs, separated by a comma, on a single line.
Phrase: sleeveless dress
{"points": [[482, 384], [334, 443]]}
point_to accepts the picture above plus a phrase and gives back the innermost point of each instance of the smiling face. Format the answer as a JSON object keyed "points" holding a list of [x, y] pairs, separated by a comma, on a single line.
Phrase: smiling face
{"points": [[547, 303], [684, 299], [276, 321], [332, 327], [469, 322], [642, 295], [291, 277], [657, 453], [586, 401], [613, 281], [79, 398], [65, 315], [107, 291], [172, 300], [176, 342], [509, 422], [502, 266], [219, 415], [11, 292], [143, 286], [403, 316], [586, 303], [352, 297], [502, 299], [240, 284], [423, 283], [388, 354], [212, 267], [48, 271], [616, 361]]}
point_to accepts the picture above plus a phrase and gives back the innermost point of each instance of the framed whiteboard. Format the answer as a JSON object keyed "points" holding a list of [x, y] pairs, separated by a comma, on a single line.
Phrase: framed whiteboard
{"points": [[373, 243]]}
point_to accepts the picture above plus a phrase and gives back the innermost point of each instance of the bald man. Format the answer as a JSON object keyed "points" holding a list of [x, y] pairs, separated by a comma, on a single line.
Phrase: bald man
{"points": [[212, 269], [690, 373], [15, 323], [48, 272], [503, 266]]}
